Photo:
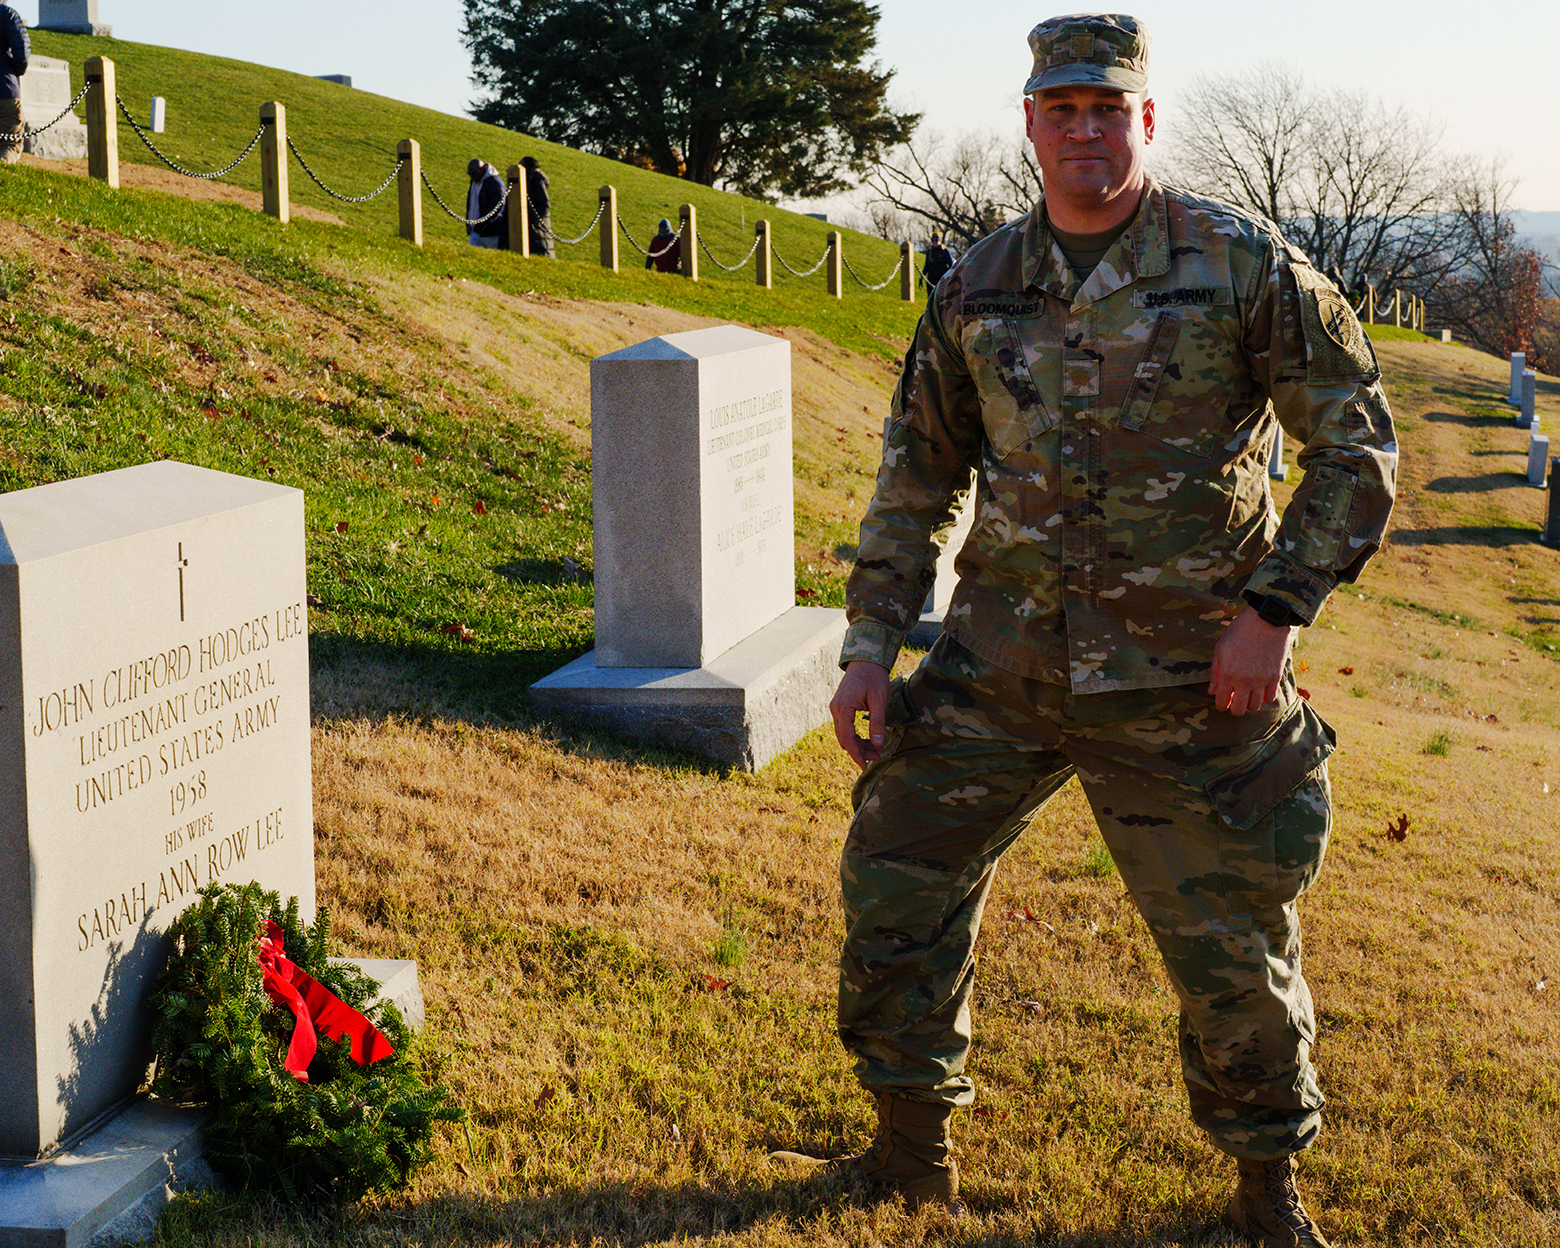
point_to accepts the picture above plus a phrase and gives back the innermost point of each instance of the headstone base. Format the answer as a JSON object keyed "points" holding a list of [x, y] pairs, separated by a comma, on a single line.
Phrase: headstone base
{"points": [[100, 29], [398, 984], [59, 142], [110, 1186], [745, 706]]}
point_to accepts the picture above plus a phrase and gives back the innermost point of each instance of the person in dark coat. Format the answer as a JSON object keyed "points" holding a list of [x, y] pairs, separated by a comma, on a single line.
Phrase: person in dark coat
{"points": [[540, 202], [665, 249], [13, 64], [485, 195], [938, 260]]}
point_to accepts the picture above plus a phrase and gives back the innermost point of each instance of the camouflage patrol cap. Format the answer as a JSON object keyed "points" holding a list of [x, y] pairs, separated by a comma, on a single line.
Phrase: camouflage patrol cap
{"points": [[1096, 49]]}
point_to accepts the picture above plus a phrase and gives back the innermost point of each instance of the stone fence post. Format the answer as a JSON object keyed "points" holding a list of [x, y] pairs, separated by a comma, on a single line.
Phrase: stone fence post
{"points": [[273, 161], [688, 219], [409, 190], [102, 126], [607, 198], [835, 267], [519, 211], [906, 272], [763, 258]]}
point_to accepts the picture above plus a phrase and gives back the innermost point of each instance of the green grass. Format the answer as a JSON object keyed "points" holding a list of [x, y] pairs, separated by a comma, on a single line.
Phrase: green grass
{"points": [[349, 139]]}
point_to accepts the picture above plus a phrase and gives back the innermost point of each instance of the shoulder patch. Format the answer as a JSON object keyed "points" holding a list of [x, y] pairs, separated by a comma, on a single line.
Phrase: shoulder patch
{"points": [[1336, 348]]}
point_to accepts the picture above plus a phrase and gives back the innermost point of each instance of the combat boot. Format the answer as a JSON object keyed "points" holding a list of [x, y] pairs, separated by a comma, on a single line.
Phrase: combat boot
{"points": [[910, 1153], [1267, 1207]]}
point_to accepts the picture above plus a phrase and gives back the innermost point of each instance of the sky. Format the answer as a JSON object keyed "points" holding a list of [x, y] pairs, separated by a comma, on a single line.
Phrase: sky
{"points": [[1486, 80]]}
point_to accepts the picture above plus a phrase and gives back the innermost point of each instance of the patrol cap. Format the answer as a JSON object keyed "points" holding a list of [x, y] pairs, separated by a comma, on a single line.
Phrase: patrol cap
{"points": [[1096, 49]]}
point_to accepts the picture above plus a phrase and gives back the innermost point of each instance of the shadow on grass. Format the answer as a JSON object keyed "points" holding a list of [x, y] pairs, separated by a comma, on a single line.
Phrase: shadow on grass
{"points": [[633, 1214], [1480, 420], [1492, 536], [1482, 484], [350, 678]]}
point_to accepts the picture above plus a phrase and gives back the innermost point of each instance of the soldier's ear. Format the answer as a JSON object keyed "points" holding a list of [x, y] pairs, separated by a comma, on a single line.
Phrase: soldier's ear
{"points": [[1148, 119]]}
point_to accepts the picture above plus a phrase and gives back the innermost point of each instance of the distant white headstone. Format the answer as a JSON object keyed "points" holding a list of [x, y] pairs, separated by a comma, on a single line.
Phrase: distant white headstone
{"points": [[46, 94], [698, 638], [78, 17], [1518, 364], [154, 738], [159, 117]]}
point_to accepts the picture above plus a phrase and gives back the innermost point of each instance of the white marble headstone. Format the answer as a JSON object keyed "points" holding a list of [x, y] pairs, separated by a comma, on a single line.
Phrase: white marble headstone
{"points": [[79, 17], [154, 738], [691, 465]]}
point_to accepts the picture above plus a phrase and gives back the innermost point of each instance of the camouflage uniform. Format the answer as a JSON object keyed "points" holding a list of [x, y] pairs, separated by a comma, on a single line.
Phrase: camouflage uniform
{"points": [[1117, 430]]}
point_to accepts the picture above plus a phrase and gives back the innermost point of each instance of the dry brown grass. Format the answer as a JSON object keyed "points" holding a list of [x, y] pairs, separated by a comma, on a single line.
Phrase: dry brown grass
{"points": [[575, 904]]}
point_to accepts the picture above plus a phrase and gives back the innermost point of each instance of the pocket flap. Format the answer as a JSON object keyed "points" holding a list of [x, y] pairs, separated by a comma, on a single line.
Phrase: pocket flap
{"points": [[1278, 766]]}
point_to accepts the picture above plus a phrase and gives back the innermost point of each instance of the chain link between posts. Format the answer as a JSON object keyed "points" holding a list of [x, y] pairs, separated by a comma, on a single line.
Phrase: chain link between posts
{"points": [[898, 265], [730, 268], [793, 272], [347, 199], [601, 207], [188, 173], [641, 250], [26, 129], [454, 216]]}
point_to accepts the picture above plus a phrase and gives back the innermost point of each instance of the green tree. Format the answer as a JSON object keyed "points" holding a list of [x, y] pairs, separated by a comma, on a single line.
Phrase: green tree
{"points": [[760, 96]]}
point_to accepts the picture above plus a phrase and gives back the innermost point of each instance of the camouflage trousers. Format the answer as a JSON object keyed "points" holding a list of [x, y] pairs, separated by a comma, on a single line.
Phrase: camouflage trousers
{"points": [[1217, 824]]}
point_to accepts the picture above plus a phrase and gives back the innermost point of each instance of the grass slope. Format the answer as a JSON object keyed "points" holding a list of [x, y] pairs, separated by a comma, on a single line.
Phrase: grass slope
{"points": [[627, 953], [349, 139]]}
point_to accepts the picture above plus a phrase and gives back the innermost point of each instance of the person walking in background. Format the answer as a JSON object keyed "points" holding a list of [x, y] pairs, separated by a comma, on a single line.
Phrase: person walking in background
{"points": [[938, 260], [17, 49], [482, 201], [665, 249], [1108, 369], [539, 201]]}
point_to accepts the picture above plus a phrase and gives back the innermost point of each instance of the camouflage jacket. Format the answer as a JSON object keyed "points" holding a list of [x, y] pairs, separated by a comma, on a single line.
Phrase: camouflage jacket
{"points": [[1118, 433]]}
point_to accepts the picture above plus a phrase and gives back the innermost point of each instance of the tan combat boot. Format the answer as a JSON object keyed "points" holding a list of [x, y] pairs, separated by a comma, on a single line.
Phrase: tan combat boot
{"points": [[1267, 1208], [910, 1152]]}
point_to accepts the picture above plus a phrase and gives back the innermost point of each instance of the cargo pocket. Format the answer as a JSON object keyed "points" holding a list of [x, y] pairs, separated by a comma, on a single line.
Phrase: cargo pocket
{"points": [[1011, 408], [1275, 811]]}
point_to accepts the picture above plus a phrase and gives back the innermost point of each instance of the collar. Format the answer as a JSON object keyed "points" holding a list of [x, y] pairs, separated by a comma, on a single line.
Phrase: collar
{"points": [[1143, 250]]}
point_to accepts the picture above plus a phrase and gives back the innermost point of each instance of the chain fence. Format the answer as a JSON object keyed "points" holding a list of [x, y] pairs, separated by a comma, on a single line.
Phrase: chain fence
{"points": [[730, 268], [346, 199], [651, 254], [178, 168], [21, 134], [899, 264], [792, 271], [454, 216], [601, 207]]}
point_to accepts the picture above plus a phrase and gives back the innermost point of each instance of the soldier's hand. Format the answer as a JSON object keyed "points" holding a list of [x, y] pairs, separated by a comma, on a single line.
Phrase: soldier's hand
{"points": [[1248, 663], [864, 687]]}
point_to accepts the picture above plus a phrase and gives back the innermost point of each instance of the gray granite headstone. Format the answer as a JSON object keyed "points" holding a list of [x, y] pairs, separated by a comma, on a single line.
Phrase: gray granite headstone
{"points": [[1529, 398], [154, 738], [1538, 459], [46, 94], [77, 17], [1518, 364], [698, 640]]}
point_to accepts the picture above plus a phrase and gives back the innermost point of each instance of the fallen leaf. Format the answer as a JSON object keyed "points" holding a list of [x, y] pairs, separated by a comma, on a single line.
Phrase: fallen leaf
{"points": [[310, 600], [1304, 666], [712, 984], [1542, 984], [1304, 693], [1397, 831], [459, 631], [435, 500], [545, 1095], [807, 593], [479, 508], [1034, 1007], [1345, 671], [676, 1134], [460, 1168], [341, 526]]}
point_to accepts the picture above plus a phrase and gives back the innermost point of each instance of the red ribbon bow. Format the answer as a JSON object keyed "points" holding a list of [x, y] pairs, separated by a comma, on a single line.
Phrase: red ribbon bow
{"points": [[316, 1009]]}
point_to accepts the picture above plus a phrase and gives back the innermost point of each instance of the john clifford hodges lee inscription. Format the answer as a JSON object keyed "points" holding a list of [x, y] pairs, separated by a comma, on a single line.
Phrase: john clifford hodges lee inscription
{"points": [[154, 738]]}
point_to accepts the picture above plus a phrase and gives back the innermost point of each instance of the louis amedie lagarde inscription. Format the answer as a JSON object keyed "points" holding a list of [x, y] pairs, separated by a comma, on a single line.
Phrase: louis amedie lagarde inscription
{"points": [[745, 433]]}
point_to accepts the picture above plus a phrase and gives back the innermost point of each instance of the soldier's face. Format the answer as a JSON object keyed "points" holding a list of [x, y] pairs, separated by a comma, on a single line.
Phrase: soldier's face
{"points": [[1090, 142]]}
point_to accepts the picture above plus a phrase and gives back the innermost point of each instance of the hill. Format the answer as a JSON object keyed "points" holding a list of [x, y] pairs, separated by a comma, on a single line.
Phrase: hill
{"points": [[628, 953]]}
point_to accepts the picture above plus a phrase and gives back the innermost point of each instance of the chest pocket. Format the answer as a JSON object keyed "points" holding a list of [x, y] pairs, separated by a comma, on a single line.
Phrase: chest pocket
{"points": [[1182, 392], [1010, 404]]}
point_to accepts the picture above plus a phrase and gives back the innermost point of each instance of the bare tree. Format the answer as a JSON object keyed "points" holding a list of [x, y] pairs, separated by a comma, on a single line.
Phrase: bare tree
{"points": [[963, 188]]}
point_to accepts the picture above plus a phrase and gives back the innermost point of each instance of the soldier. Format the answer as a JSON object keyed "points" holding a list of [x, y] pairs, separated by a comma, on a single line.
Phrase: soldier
{"points": [[1109, 370]]}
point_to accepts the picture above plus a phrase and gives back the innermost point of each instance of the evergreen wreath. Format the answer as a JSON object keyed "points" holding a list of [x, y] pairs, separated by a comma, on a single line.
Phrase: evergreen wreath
{"points": [[219, 1040]]}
